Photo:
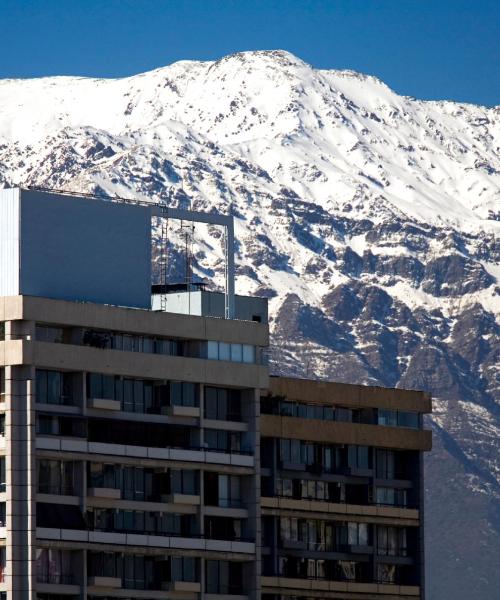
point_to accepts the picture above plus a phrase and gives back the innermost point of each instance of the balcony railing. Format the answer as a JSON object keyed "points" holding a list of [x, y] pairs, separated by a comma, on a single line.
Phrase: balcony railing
{"points": [[410, 505], [56, 489], [56, 578]]}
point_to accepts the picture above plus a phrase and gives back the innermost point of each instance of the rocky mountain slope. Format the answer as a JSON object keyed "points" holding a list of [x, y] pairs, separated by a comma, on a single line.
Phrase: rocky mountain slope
{"points": [[370, 220]]}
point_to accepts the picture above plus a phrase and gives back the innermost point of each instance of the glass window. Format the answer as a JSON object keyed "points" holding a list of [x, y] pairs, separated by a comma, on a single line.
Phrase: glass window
{"points": [[248, 353], [128, 395], [387, 417], [386, 573], [213, 350], [408, 419], [285, 447], [210, 403], [386, 464], [343, 414], [236, 353], [41, 387], [224, 351]]}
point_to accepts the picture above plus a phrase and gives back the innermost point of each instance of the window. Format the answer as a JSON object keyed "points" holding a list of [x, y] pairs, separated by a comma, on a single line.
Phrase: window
{"points": [[48, 333], [101, 386], [183, 393], [185, 568], [229, 490], [2, 383], [248, 353], [343, 414], [53, 566], [224, 577], [231, 352], [409, 419], [346, 570], [386, 464], [391, 541], [397, 418], [184, 481], [53, 387], [134, 395], [213, 350], [284, 487], [391, 496], [222, 404], [386, 573], [105, 564], [357, 534], [103, 475], [359, 457], [387, 417], [352, 534], [222, 440], [56, 477]]}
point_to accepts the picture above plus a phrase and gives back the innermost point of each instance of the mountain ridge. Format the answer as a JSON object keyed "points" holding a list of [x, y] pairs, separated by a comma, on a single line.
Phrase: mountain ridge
{"points": [[369, 219]]}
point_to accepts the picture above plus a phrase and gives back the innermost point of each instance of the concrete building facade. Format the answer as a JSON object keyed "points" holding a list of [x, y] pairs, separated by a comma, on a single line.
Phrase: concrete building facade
{"points": [[149, 454]]}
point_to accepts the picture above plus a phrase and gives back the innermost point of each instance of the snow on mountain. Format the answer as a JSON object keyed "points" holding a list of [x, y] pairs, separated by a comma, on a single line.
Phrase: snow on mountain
{"points": [[369, 219]]}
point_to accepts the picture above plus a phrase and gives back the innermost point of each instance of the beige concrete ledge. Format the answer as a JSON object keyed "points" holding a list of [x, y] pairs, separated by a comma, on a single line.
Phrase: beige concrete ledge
{"points": [[132, 459], [135, 364], [128, 593], [105, 493], [225, 425], [184, 586], [132, 320], [342, 511], [315, 430], [58, 499], [191, 499], [57, 588], [11, 352], [55, 443], [139, 540], [183, 411], [346, 394], [224, 597], [368, 590], [219, 511], [104, 404], [106, 582], [186, 509]]}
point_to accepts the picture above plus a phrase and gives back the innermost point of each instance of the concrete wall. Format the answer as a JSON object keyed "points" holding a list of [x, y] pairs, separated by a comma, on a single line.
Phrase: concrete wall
{"points": [[347, 394], [146, 322], [9, 242], [314, 430], [75, 248], [212, 304]]}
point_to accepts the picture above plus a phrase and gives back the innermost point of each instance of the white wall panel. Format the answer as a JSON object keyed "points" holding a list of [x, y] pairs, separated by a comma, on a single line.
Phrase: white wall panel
{"points": [[9, 242]]}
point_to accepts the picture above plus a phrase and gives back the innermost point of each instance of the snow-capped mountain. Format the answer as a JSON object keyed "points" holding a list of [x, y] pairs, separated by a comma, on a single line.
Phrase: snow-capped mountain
{"points": [[369, 219]]}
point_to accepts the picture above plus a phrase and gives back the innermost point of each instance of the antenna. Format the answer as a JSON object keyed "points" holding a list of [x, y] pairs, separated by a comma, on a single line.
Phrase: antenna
{"points": [[164, 262]]}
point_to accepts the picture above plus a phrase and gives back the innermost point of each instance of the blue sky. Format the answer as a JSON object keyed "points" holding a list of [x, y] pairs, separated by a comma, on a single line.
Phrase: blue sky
{"points": [[430, 49]]}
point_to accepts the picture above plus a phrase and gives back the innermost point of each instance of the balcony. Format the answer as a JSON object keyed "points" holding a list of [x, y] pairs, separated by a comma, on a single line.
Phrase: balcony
{"points": [[181, 498], [104, 404], [183, 586], [182, 411], [105, 493], [301, 585], [57, 583], [104, 581]]}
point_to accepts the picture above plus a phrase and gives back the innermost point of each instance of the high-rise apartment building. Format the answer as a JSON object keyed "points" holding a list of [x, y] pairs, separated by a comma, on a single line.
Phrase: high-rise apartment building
{"points": [[147, 453]]}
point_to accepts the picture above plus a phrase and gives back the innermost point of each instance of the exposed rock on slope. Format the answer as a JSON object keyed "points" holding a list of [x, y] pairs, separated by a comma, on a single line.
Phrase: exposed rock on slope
{"points": [[371, 221]]}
